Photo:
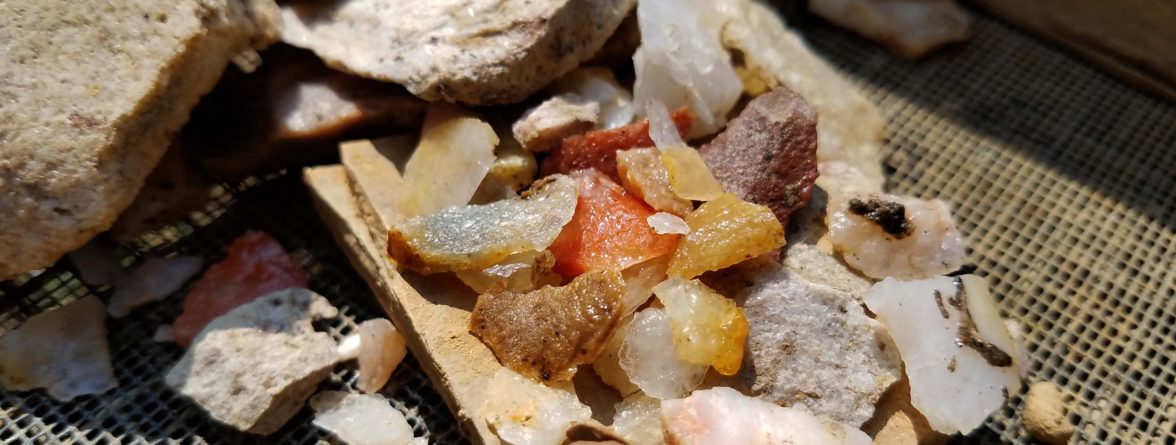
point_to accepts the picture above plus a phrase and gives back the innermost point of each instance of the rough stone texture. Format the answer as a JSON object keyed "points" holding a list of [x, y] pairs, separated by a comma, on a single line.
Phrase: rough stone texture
{"points": [[850, 127], [768, 155], [479, 52], [809, 345], [1045, 414], [63, 350], [254, 367], [292, 111], [90, 97], [542, 128]]}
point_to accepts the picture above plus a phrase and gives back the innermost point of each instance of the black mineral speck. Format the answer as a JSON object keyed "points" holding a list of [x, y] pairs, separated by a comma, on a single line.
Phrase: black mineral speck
{"points": [[890, 216]]}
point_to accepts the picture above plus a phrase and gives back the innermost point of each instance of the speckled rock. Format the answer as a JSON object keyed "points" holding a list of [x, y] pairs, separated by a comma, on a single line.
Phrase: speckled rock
{"points": [[254, 367], [91, 96], [809, 346], [478, 52]]}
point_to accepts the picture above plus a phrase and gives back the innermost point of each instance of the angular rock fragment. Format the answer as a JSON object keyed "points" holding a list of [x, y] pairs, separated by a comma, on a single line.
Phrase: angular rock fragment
{"points": [[63, 350], [542, 128], [850, 129], [690, 177], [547, 333], [956, 348], [722, 415], [479, 52], [644, 174], [708, 328], [381, 349], [609, 231], [599, 85], [909, 28], [681, 62], [478, 236], [360, 419], [768, 155], [598, 149], [724, 232], [810, 346], [254, 367]]}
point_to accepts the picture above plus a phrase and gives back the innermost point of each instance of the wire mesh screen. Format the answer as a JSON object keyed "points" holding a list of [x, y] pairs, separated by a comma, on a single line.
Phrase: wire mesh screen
{"points": [[1061, 177]]}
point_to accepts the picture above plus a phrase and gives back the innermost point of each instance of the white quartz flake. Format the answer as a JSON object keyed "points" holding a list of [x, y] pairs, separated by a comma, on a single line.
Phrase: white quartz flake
{"points": [[360, 419], [722, 415], [681, 62], [524, 412], [667, 223], [958, 353], [648, 356]]}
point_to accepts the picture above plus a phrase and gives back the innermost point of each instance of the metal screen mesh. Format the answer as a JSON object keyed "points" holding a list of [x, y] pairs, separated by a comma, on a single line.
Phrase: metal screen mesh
{"points": [[1061, 178]]}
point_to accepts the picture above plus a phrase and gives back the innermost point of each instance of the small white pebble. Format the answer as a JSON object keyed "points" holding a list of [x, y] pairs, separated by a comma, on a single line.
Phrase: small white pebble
{"points": [[666, 223]]}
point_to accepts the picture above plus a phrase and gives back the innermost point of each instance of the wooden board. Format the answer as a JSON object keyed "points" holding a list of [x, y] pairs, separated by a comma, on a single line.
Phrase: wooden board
{"points": [[1132, 39], [433, 313]]}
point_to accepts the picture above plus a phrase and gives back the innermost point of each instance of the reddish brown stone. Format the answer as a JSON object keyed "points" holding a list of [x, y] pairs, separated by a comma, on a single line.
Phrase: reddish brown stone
{"points": [[768, 155]]}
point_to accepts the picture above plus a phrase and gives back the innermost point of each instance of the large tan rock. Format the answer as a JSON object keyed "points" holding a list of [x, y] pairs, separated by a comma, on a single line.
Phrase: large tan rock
{"points": [[91, 94], [478, 52]]}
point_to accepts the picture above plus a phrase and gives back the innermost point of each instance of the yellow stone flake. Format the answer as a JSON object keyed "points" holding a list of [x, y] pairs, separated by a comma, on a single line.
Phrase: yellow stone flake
{"points": [[725, 232]]}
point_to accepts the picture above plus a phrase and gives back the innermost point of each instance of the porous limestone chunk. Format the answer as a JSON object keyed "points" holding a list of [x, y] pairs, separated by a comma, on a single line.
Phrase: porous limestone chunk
{"points": [[254, 367]]}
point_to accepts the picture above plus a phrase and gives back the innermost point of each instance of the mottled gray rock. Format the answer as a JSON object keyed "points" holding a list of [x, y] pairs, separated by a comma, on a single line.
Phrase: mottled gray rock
{"points": [[254, 367], [542, 128], [479, 52], [808, 346]]}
